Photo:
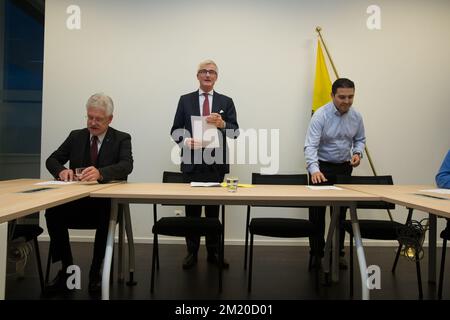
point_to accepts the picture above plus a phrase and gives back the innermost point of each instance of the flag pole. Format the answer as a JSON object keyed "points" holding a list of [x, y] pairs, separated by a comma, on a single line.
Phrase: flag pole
{"points": [[318, 29]]}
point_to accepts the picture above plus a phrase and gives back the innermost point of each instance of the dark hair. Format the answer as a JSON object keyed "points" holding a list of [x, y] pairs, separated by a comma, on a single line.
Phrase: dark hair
{"points": [[342, 83]]}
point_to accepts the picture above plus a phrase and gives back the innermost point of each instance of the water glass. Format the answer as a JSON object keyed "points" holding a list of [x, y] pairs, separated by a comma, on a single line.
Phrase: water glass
{"points": [[232, 184]]}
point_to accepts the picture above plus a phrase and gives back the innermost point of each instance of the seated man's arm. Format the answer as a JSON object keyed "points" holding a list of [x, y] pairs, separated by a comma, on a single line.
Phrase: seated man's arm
{"points": [[443, 176], [55, 162], [121, 169]]}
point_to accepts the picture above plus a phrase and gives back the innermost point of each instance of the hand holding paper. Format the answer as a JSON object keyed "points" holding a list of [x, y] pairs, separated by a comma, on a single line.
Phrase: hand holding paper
{"points": [[216, 119], [204, 132], [193, 144]]}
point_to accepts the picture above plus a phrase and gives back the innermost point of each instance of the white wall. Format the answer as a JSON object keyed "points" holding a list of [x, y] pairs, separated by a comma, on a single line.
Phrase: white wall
{"points": [[144, 54]]}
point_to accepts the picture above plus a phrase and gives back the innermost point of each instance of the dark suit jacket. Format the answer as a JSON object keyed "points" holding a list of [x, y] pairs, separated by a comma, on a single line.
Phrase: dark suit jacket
{"points": [[115, 160], [182, 128]]}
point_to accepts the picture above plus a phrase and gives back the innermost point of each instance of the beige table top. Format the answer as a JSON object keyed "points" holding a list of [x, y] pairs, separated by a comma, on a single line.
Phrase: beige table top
{"points": [[15, 204], [12, 185], [409, 196], [179, 193]]}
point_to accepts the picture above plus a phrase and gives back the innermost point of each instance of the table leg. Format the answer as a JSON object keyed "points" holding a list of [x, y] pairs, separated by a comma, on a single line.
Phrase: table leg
{"points": [[109, 249], [360, 253], [327, 250], [120, 250]]}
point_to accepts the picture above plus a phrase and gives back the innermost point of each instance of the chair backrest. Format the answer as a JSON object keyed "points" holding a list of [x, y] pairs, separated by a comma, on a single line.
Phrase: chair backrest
{"points": [[172, 177], [281, 179], [287, 179], [368, 180]]}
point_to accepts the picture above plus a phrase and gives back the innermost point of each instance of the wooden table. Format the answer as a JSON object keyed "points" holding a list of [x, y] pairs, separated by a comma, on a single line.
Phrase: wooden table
{"points": [[14, 203], [411, 196], [7, 186], [287, 195]]}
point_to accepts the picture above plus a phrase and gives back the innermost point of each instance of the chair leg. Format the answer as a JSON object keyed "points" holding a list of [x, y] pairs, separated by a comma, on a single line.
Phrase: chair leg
{"points": [[157, 258], [351, 266], [397, 255], [155, 253], [38, 261], [223, 234], [419, 277], [399, 250], [155, 218], [246, 237], [220, 249], [250, 264], [441, 272]]}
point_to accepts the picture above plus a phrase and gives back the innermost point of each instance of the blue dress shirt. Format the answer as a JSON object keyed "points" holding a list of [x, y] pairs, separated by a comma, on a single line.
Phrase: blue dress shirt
{"points": [[443, 176], [333, 136]]}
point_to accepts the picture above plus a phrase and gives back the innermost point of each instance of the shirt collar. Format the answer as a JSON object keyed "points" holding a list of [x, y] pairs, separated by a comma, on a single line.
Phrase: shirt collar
{"points": [[100, 137], [201, 92], [337, 112]]}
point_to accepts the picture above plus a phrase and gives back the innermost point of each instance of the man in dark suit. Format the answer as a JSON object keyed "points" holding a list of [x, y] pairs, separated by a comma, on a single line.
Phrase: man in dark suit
{"points": [[199, 162], [105, 154]]}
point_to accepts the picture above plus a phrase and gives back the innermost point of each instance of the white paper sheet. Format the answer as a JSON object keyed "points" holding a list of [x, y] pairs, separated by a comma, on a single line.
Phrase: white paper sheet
{"points": [[323, 188], [204, 132], [205, 184], [53, 182], [440, 191]]}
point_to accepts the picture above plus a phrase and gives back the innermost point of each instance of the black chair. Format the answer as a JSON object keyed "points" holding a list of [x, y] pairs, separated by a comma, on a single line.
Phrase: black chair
{"points": [[277, 227], [445, 235], [30, 232], [183, 226], [376, 229], [124, 222]]}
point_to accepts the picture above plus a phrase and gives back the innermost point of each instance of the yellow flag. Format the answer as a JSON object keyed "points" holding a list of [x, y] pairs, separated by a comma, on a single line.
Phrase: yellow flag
{"points": [[322, 83]]}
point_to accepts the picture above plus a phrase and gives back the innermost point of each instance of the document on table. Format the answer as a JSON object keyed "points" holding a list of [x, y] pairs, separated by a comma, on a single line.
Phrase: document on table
{"points": [[205, 184], [205, 132], [323, 188], [440, 191], [53, 182]]}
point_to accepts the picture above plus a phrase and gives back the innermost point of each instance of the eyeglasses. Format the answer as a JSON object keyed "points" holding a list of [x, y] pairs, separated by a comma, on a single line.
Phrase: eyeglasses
{"points": [[95, 119], [203, 72]]}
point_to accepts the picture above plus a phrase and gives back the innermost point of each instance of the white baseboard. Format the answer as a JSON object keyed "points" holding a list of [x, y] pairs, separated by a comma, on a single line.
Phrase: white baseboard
{"points": [[241, 242]]}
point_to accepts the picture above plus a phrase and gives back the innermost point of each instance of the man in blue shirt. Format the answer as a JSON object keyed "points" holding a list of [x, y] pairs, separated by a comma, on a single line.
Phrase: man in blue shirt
{"points": [[334, 145], [443, 176]]}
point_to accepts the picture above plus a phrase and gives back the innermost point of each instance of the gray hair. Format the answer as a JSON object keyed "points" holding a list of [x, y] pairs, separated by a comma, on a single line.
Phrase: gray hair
{"points": [[206, 62], [101, 100]]}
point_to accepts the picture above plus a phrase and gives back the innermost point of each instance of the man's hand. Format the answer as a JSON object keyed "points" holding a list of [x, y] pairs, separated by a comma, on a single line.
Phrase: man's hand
{"points": [[66, 175], [90, 174], [192, 144], [318, 177], [356, 159], [216, 119]]}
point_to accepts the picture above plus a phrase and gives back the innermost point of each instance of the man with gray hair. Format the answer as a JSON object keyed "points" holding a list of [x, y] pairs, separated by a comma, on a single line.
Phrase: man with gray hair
{"points": [[100, 153], [200, 162]]}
